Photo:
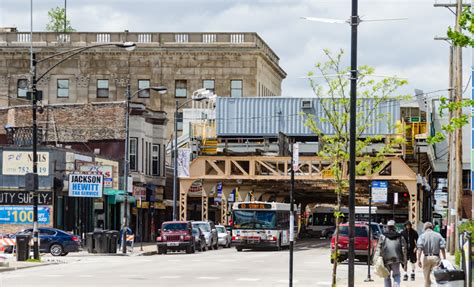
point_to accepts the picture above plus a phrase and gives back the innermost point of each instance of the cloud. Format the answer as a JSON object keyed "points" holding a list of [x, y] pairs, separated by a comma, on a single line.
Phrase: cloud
{"points": [[404, 48]]}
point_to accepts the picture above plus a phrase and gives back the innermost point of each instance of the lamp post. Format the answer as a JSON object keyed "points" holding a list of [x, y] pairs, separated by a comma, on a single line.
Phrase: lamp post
{"points": [[198, 95], [34, 101], [126, 160]]}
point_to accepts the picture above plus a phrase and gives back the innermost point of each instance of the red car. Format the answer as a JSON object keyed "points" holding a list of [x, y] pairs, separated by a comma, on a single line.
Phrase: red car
{"points": [[175, 236], [361, 242]]}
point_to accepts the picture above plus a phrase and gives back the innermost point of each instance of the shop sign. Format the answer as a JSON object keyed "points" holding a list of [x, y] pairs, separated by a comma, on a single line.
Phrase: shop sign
{"points": [[21, 163], [85, 185], [139, 192], [24, 198], [105, 170], [23, 214]]}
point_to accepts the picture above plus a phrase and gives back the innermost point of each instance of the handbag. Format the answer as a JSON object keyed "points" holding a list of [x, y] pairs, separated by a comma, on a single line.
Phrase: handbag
{"points": [[380, 269], [379, 266]]}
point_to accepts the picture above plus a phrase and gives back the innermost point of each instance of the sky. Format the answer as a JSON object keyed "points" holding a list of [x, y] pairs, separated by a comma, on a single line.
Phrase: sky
{"points": [[402, 48]]}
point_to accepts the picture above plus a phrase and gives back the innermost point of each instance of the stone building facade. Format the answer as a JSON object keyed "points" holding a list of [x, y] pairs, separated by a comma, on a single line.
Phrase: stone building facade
{"points": [[229, 64]]}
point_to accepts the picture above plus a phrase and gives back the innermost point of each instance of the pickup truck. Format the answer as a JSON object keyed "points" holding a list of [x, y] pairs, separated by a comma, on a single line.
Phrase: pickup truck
{"points": [[175, 236]]}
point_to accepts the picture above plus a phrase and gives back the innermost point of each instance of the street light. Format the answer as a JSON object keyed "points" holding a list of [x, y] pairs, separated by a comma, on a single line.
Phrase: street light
{"points": [[198, 95], [126, 161], [34, 99]]}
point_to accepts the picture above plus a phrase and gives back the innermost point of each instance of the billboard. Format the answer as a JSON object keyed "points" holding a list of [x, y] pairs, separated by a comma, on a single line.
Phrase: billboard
{"points": [[21, 163], [86, 185], [23, 214]]}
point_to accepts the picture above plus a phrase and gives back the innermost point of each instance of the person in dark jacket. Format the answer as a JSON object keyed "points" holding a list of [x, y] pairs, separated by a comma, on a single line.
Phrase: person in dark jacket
{"points": [[392, 248], [411, 236]]}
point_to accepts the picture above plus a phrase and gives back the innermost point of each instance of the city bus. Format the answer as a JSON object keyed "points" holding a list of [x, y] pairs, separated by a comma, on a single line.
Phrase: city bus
{"points": [[260, 225]]}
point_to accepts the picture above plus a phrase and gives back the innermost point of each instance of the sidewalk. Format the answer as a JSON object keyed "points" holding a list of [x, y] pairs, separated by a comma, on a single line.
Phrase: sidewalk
{"points": [[361, 275]]}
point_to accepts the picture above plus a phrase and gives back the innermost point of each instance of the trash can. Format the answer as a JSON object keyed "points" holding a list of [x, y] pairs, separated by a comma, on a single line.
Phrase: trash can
{"points": [[23, 247], [90, 242], [449, 278], [100, 242], [112, 238]]}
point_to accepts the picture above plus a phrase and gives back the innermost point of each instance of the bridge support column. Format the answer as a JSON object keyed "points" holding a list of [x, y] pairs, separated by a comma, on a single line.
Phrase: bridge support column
{"points": [[413, 212], [184, 185]]}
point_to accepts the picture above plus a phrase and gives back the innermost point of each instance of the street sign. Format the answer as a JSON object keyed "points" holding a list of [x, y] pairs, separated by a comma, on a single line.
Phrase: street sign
{"points": [[218, 198], [86, 185], [296, 159], [379, 191]]}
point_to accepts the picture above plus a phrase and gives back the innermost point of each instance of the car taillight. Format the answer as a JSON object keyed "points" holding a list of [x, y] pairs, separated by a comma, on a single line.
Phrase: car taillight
{"points": [[233, 238], [75, 238], [332, 242]]}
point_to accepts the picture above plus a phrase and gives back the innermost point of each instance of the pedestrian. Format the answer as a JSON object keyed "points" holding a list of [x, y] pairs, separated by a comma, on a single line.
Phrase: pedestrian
{"points": [[411, 236], [431, 244], [392, 248]]}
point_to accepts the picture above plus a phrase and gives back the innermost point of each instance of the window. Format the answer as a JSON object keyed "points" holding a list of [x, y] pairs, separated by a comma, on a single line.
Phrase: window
{"points": [[155, 160], [208, 85], [102, 88], [22, 88], [142, 84], [147, 156], [236, 88], [63, 88], [181, 89], [133, 154]]}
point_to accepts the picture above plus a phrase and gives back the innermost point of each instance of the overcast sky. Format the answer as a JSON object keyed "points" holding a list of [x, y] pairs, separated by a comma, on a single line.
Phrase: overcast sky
{"points": [[404, 48]]}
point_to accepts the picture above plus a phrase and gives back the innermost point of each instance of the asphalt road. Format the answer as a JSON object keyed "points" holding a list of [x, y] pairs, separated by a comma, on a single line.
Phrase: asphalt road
{"points": [[223, 267]]}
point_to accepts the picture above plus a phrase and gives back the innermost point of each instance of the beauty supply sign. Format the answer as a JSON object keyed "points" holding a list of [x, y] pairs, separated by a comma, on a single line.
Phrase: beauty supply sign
{"points": [[21, 163], [86, 185]]}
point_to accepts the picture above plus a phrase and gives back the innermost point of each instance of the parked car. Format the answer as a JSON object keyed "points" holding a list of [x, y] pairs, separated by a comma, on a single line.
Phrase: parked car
{"points": [[55, 241], [361, 242], [223, 236], [328, 232], [210, 233], [377, 229], [199, 239], [175, 236]]}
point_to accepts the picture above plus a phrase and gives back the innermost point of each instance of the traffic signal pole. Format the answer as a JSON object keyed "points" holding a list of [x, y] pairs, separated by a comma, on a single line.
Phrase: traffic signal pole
{"points": [[34, 106]]}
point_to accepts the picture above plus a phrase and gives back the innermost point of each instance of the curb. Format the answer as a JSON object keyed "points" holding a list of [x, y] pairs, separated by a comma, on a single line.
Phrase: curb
{"points": [[148, 253], [7, 269]]}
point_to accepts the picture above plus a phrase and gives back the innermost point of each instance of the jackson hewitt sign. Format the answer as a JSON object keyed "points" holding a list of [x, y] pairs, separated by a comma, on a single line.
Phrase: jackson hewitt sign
{"points": [[86, 185]]}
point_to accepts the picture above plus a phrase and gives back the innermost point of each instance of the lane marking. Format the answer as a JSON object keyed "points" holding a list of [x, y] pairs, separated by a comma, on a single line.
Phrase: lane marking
{"points": [[52, 275], [248, 279], [286, 281], [85, 276], [209, 278]]}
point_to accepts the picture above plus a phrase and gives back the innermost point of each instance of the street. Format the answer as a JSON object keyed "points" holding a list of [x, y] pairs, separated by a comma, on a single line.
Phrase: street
{"points": [[224, 267]]}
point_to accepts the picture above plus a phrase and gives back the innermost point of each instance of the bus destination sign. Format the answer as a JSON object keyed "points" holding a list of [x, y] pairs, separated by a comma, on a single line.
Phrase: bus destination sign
{"points": [[255, 206]]}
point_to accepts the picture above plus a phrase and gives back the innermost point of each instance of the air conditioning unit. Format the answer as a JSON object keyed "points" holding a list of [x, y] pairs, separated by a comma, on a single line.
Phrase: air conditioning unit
{"points": [[306, 104]]}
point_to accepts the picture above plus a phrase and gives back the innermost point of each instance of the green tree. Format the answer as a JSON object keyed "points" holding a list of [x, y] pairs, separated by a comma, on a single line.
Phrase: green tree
{"points": [[334, 96], [57, 21], [463, 38]]}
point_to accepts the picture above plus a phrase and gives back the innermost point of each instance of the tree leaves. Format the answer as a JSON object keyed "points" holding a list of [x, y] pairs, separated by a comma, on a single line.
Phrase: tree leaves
{"points": [[57, 17]]}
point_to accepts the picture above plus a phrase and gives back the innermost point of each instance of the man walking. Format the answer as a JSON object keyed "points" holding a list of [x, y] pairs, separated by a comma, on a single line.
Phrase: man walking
{"points": [[411, 236], [392, 248], [431, 244]]}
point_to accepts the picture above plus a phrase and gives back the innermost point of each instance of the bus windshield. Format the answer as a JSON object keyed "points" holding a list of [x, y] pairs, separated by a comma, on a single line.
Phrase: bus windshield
{"points": [[253, 219]]}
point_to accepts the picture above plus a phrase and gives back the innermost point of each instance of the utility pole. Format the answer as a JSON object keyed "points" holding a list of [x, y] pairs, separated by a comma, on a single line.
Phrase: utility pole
{"points": [[458, 132], [34, 131], [455, 173]]}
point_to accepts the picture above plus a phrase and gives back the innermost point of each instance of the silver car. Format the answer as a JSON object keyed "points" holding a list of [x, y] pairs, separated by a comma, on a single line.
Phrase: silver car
{"points": [[223, 235], [210, 233]]}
